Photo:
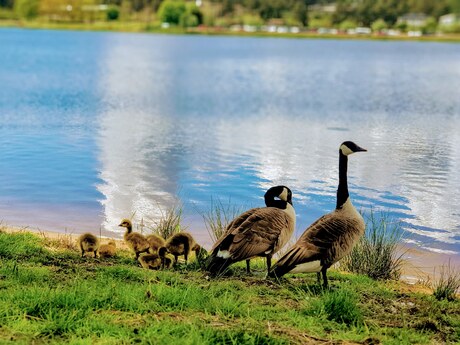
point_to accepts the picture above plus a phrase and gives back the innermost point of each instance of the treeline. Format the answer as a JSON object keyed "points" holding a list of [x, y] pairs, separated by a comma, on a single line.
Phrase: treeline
{"points": [[302, 13]]}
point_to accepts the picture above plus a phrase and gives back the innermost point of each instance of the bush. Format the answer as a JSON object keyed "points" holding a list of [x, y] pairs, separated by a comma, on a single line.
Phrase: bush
{"points": [[379, 25], [113, 13], [376, 254], [27, 9], [171, 11]]}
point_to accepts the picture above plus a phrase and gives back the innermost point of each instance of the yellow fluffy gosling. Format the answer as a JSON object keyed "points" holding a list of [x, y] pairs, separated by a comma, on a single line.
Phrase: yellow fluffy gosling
{"points": [[108, 250], [181, 244], [136, 241], [88, 243]]}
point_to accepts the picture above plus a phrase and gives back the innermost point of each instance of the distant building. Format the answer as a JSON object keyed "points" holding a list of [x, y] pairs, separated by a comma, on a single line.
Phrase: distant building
{"points": [[413, 19], [449, 19], [318, 8]]}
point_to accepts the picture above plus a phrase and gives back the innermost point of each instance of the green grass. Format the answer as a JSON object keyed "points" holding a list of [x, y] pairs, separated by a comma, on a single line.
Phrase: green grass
{"points": [[448, 283], [53, 296]]}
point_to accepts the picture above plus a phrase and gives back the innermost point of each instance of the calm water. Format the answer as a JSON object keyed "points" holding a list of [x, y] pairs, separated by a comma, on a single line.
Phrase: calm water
{"points": [[98, 126]]}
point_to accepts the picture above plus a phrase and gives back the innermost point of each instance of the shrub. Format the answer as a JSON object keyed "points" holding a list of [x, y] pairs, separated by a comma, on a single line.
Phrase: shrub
{"points": [[27, 9], [377, 254], [113, 13], [447, 284], [171, 11]]}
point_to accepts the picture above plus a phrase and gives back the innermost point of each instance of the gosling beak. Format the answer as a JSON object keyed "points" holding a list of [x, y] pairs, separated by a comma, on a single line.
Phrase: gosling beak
{"points": [[120, 224]]}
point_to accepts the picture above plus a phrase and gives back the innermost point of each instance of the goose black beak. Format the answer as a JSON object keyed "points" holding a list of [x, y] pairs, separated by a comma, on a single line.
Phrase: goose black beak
{"points": [[360, 149]]}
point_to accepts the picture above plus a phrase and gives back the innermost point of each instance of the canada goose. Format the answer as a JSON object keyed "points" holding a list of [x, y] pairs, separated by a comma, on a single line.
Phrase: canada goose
{"points": [[88, 243], [181, 244], [332, 236], [135, 240], [108, 250], [256, 232], [155, 243], [155, 261]]}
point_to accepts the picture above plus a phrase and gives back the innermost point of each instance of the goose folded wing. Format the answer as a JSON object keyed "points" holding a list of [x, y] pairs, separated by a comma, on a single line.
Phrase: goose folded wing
{"points": [[326, 232], [234, 224], [258, 234]]}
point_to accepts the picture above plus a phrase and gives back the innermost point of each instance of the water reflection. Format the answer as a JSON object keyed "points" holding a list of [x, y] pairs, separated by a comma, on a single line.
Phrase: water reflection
{"points": [[191, 118]]}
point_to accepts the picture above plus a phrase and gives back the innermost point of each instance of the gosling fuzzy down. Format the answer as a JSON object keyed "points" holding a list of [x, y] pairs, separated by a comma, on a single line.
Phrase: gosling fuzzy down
{"points": [[182, 243], [88, 243], [136, 241], [155, 243], [155, 261], [108, 250]]}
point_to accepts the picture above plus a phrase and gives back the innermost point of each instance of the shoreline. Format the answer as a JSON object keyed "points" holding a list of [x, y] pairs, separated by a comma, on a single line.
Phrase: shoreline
{"points": [[146, 28], [419, 265]]}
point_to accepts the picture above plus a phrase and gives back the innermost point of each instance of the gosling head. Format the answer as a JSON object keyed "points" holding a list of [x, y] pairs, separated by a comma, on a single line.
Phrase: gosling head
{"points": [[281, 192], [125, 223], [162, 252], [349, 147]]}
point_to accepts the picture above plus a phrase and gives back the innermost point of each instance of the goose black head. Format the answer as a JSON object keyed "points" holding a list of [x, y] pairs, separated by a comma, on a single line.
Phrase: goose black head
{"points": [[125, 223], [349, 147], [281, 192]]}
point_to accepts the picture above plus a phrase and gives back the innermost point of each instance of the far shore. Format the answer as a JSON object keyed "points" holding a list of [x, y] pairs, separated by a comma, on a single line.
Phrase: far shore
{"points": [[419, 265], [143, 27]]}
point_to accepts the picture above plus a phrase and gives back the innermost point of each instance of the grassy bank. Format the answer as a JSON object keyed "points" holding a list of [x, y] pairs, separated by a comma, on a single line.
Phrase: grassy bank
{"points": [[148, 28], [49, 294]]}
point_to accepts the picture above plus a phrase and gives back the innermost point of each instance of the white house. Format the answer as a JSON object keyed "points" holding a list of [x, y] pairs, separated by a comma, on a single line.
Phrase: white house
{"points": [[413, 19], [449, 19]]}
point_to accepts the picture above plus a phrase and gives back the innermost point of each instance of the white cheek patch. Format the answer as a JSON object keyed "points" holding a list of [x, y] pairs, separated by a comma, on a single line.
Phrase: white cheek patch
{"points": [[308, 267], [224, 254], [345, 150], [284, 195]]}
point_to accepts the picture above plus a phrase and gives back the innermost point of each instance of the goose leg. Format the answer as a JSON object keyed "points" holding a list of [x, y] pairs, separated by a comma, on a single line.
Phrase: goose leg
{"points": [[269, 263], [95, 253], [186, 257], [323, 271], [248, 268], [318, 277], [82, 253]]}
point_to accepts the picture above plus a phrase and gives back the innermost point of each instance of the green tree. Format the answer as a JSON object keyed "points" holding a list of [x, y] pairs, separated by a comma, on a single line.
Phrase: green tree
{"points": [[170, 11], [379, 25], [300, 12], [27, 9]]}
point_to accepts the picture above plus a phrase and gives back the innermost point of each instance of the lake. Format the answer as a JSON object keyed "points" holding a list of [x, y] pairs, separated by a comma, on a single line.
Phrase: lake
{"points": [[95, 127]]}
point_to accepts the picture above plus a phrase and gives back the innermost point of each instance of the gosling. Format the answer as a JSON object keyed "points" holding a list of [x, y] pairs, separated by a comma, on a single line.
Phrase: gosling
{"points": [[181, 244], [88, 243], [155, 243], [108, 250], [155, 261], [136, 241]]}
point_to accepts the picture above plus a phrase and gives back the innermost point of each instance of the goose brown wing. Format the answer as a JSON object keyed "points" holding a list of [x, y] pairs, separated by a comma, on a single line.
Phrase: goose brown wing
{"points": [[326, 232], [234, 224], [316, 241], [258, 234]]}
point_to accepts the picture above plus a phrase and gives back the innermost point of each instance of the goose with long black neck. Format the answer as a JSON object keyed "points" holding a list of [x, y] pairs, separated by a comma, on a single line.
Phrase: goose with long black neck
{"points": [[256, 232], [329, 238]]}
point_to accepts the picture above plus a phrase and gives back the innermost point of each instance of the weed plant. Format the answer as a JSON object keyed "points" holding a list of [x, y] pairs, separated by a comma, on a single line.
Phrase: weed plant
{"points": [[170, 222], [217, 218], [448, 283], [377, 254]]}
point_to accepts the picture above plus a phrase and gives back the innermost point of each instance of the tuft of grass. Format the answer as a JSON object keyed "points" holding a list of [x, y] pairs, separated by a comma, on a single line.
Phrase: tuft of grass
{"points": [[338, 305], [22, 246], [448, 283], [217, 218], [377, 252], [170, 222]]}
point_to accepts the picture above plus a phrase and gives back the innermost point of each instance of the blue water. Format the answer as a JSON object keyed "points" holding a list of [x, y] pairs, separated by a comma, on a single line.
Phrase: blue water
{"points": [[95, 127]]}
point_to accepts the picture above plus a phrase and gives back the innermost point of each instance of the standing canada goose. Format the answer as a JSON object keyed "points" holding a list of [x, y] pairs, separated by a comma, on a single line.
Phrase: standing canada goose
{"points": [[155, 243], [181, 244], [332, 236], [256, 232], [155, 261], [136, 241], [108, 250], [88, 243]]}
